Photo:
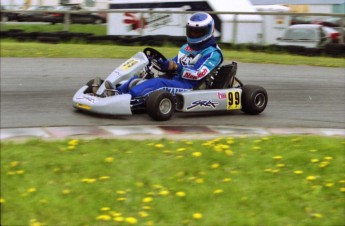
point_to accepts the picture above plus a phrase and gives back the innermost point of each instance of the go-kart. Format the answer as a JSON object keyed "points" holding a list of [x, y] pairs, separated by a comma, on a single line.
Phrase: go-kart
{"points": [[219, 91]]}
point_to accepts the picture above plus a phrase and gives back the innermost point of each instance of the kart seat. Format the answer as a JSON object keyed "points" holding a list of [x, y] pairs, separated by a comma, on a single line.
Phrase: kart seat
{"points": [[223, 77]]}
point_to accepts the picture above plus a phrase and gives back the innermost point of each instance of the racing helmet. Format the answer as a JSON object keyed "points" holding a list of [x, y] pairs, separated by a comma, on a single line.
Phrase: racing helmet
{"points": [[199, 28]]}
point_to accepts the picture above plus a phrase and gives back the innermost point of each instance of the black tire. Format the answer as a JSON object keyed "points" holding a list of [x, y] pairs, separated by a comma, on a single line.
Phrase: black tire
{"points": [[254, 99], [97, 21], [160, 105]]}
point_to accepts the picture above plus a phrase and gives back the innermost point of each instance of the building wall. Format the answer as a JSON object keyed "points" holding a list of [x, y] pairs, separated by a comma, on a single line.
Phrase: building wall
{"points": [[339, 8]]}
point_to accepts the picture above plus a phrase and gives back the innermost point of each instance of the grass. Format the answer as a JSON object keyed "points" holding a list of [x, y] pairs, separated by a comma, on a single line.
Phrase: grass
{"points": [[77, 28], [225, 181], [31, 49]]}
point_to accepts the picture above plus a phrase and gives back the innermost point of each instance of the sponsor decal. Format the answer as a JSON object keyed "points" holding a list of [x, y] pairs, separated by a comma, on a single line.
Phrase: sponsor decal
{"points": [[173, 91], [203, 103], [188, 49], [222, 96], [88, 98], [152, 20], [196, 76]]}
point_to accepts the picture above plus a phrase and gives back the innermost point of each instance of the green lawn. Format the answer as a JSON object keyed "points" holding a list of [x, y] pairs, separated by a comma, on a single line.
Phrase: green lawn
{"points": [[293, 180], [32, 49], [82, 28]]}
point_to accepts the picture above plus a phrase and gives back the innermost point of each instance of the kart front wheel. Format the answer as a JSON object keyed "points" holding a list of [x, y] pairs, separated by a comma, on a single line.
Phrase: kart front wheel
{"points": [[160, 105], [254, 99]]}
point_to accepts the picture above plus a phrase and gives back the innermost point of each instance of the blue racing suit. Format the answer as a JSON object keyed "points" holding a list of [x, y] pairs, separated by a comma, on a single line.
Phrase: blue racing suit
{"points": [[193, 66]]}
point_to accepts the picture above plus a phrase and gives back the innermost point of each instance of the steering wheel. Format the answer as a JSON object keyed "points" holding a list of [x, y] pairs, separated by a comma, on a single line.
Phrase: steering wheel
{"points": [[153, 56]]}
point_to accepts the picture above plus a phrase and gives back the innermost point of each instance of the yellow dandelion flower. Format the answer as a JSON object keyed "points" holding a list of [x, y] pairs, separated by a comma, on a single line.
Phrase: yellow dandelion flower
{"points": [[199, 180], [226, 180], [147, 199], [256, 148], [314, 160], [14, 163], [230, 141], [2, 200], [71, 147], [215, 165], [115, 214], [88, 180], [121, 192], [103, 217], [119, 219], [218, 191], [109, 159], [34, 222], [149, 223], [310, 178], [20, 172], [181, 194], [104, 178], [139, 184], [121, 199], [280, 165], [323, 164], [157, 186], [146, 207], [329, 185], [197, 216], [328, 158], [66, 191], [159, 145], [229, 152], [342, 189], [131, 220], [197, 154], [277, 157], [268, 170], [181, 149], [105, 209], [43, 201], [316, 215], [298, 172], [164, 193], [296, 139], [73, 142], [31, 190], [275, 171], [342, 181], [218, 148], [143, 214]]}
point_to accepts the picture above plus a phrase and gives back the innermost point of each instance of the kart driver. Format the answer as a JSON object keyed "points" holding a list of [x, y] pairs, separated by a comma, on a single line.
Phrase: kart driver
{"points": [[195, 60]]}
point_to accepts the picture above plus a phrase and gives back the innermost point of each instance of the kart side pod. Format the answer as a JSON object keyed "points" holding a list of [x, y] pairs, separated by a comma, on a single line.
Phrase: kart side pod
{"points": [[209, 100]]}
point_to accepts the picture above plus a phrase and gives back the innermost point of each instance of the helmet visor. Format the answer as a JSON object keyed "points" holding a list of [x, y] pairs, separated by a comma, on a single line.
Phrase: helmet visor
{"points": [[197, 32]]}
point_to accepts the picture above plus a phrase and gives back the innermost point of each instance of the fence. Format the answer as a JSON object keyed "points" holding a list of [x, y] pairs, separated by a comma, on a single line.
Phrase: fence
{"points": [[67, 16]]}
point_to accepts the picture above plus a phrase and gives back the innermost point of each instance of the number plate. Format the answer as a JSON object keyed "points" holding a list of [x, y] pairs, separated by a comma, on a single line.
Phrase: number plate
{"points": [[128, 64], [234, 100]]}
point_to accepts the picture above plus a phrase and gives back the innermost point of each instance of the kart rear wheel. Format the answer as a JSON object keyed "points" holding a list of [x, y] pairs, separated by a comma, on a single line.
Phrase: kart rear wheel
{"points": [[160, 105], [254, 99]]}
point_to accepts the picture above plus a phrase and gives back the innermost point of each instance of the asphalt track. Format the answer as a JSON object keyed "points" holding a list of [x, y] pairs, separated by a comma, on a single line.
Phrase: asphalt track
{"points": [[37, 92]]}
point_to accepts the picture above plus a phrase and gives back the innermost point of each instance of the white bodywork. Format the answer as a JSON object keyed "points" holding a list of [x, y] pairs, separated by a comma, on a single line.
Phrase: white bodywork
{"points": [[114, 105]]}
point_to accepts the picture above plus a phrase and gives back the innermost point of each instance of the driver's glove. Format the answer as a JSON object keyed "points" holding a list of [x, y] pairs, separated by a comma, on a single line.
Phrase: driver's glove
{"points": [[169, 65]]}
